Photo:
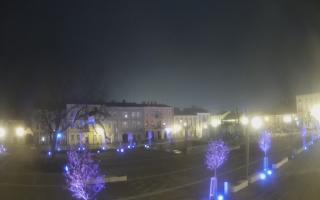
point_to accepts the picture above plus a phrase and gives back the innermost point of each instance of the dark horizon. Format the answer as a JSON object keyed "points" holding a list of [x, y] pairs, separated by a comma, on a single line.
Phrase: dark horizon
{"points": [[217, 55]]}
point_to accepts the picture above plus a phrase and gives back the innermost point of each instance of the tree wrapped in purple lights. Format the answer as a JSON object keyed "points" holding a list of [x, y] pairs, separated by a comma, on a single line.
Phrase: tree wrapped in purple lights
{"points": [[265, 142], [265, 145], [83, 176], [217, 153]]}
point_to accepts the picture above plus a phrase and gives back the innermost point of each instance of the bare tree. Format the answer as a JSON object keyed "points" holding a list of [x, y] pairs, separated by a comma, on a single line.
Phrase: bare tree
{"points": [[57, 120]]}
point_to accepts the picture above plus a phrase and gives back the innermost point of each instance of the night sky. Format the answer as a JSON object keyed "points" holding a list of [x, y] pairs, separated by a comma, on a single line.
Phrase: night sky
{"points": [[218, 54]]}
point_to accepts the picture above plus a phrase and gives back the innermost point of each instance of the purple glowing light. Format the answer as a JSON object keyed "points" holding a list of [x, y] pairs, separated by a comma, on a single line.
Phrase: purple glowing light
{"points": [[2, 149], [130, 138], [263, 176], [265, 141], [66, 168], [83, 176], [59, 135], [216, 155]]}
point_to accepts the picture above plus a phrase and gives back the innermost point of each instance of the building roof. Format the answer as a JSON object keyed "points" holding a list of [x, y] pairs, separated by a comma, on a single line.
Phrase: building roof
{"points": [[132, 104], [194, 110]]}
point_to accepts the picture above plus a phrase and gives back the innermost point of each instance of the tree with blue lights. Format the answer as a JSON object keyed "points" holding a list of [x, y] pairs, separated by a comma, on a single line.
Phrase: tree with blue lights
{"points": [[83, 176], [265, 142], [216, 155], [265, 145]]}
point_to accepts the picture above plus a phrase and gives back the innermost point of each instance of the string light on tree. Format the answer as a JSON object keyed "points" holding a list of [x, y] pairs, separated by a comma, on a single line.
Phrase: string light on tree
{"points": [[216, 155], [83, 176]]}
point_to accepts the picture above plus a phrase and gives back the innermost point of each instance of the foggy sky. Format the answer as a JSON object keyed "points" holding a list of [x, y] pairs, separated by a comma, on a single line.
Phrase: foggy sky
{"points": [[215, 54]]}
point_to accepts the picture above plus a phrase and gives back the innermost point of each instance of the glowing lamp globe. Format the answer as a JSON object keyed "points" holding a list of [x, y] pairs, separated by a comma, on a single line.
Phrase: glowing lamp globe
{"points": [[19, 131], [2, 132], [256, 122]]}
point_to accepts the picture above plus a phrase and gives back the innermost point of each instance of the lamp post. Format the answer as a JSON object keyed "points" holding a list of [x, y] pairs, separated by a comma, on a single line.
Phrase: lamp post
{"points": [[185, 135], [245, 121], [256, 123]]}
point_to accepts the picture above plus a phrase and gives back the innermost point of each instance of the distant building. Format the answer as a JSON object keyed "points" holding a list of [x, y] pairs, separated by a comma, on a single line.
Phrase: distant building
{"points": [[120, 120], [280, 123], [192, 125], [304, 105]]}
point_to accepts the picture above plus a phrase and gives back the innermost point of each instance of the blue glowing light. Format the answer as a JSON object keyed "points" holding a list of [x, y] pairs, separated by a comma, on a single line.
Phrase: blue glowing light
{"points": [[263, 176], [49, 153], [129, 147], [59, 135], [269, 172], [121, 150], [146, 146], [103, 148], [118, 150], [213, 187], [220, 197], [66, 168], [98, 151], [305, 148], [226, 187], [58, 149]]}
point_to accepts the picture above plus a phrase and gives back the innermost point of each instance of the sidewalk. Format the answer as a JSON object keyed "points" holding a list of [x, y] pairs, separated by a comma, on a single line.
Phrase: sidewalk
{"points": [[298, 180]]}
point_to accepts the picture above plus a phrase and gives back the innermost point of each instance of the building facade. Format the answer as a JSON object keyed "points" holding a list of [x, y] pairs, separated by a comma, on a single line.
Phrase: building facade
{"points": [[305, 103], [115, 123], [192, 125]]}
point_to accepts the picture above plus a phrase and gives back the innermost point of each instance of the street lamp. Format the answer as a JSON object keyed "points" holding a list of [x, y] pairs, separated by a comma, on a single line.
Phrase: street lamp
{"points": [[19, 131], [215, 123], [2, 132], [287, 119], [245, 121], [256, 122]]}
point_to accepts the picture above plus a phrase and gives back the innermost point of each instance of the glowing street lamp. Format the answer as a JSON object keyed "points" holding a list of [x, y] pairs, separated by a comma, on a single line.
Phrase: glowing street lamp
{"points": [[256, 122], [19, 131], [287, 119], [215, 123], [244, 120], [2, 132]]}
